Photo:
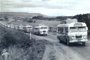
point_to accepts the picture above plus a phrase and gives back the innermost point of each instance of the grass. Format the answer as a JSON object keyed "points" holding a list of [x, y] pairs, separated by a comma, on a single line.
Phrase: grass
{"points": [[19, 46]]}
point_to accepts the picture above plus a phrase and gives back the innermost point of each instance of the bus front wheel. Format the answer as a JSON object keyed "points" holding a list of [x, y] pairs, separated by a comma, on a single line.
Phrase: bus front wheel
{"points": [[58, 37], [67, 42]]}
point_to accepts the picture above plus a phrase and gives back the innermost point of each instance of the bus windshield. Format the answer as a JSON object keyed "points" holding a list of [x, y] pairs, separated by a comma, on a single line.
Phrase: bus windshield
{"points": [[80, 29], [43, 27]]}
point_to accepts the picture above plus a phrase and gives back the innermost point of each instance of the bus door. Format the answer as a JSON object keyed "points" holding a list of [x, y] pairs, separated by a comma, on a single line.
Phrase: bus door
{"points": [[61, 33]]}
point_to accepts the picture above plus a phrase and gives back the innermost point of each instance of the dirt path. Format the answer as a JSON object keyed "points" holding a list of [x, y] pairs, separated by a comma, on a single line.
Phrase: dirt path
{"points": [[53, 40], [54, 52], [57, 51]]}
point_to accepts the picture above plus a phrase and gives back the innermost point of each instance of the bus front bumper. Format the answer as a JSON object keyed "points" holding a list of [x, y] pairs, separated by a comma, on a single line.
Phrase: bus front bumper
{"points": [[43, 33], [75, 41]]}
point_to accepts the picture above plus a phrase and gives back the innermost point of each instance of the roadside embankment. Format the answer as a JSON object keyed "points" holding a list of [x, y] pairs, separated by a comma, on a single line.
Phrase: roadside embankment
{"points": [[19, 46]]}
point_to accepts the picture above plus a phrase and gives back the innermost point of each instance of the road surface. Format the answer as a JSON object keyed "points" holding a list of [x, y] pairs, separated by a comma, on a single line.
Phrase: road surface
{"points": [[84, 51], [62, 51]]}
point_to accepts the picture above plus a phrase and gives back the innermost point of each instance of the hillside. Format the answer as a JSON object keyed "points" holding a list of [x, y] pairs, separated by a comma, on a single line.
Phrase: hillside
{"points": [[23, 15], [18, 14], [19, 46]]}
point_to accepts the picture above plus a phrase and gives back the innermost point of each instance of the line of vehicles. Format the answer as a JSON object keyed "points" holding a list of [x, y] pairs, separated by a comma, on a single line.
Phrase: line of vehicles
{"points": [[40, 29], [69, 31]]}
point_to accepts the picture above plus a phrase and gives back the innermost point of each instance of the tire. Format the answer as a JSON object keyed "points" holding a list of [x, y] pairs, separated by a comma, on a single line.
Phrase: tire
{"points": [[59, 39], [83, 43], [67, 43]]}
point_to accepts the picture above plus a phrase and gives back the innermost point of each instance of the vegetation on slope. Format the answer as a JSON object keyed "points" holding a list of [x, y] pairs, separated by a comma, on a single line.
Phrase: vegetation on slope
{"points": [[19, 46]]}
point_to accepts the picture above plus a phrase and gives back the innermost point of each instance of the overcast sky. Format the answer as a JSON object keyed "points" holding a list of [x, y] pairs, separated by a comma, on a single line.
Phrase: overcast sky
{"points": [[47, 7]]}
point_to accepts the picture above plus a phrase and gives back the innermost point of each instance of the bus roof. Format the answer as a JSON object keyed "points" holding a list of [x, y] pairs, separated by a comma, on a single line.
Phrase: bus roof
{"points": [[72, 24], [40, 25]]}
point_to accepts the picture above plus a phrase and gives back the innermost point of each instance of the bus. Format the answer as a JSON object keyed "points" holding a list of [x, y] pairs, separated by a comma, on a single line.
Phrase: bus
{"points": [[27, 28], [74, 32], [41, 29]]}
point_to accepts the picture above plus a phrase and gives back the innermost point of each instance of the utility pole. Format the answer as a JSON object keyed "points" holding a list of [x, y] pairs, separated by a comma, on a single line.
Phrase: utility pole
{"points": [[30, 35]]}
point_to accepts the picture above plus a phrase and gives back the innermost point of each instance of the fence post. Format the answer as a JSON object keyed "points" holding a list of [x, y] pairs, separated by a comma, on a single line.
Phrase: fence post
{"points": [[30, 35]]}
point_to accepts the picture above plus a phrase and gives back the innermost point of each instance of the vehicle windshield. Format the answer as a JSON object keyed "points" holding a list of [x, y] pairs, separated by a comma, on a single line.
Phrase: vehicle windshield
{"points": [[43, 27], [76, 29]]}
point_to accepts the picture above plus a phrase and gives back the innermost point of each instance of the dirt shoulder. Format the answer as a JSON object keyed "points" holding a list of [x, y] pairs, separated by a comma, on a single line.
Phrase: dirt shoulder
{"points": [[59, 52]]}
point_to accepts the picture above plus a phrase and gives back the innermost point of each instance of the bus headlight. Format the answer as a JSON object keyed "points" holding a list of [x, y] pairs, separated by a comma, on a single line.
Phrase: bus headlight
{"points": [[84, 36], [72, 37]]}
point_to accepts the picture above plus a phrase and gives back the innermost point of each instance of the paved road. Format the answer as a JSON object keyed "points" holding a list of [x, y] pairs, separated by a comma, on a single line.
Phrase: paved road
{"points": [[74, 52]]}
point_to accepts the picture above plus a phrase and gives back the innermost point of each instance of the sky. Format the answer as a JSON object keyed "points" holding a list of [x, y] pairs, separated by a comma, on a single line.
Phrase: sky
{"points": [[47, 7]]}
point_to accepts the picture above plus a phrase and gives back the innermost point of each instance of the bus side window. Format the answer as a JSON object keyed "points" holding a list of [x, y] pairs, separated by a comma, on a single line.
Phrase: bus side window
{"points": [[36, 28]]}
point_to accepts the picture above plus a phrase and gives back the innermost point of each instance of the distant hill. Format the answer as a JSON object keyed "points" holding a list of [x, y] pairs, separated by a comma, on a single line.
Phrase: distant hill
{"points": [[29, 15], [84, 18], [59, 18], [64, 17], [19, 14], [24, 16]]}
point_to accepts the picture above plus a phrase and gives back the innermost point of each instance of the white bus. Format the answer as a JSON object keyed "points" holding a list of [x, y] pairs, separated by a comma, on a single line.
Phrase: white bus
{"points": [[75, 32], [41, 30], [27, 28]]}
